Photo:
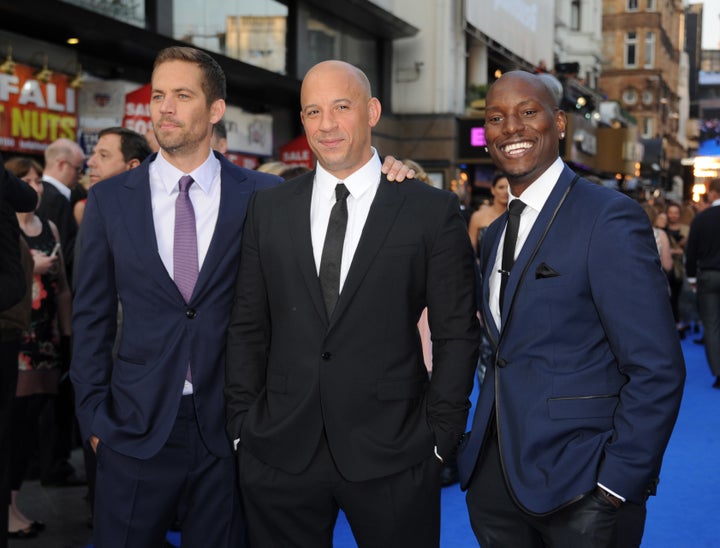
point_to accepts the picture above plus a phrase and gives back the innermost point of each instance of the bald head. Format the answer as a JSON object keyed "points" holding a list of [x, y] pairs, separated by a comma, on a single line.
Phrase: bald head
{"points": [[541, 86], [336, 69], [64, 161]]}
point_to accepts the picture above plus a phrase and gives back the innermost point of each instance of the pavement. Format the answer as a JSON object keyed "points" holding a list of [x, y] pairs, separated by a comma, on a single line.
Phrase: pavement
{"points": [[64, 510]]}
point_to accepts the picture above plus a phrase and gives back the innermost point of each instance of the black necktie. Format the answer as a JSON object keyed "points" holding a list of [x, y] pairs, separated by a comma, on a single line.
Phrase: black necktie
{"points": [[332, 249], [511, 234]]}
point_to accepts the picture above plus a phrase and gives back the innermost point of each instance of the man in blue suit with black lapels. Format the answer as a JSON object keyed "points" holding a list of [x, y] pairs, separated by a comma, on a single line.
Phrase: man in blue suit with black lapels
{"points": [[575, 413]]}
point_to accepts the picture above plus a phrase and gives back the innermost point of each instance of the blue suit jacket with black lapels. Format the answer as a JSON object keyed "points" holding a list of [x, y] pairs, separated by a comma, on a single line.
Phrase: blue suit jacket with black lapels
{"points": [[588, 373], [131, 402]]}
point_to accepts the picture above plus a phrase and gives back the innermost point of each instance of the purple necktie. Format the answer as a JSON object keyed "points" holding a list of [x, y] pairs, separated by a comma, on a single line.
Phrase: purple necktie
{"points": [[185, 251]]}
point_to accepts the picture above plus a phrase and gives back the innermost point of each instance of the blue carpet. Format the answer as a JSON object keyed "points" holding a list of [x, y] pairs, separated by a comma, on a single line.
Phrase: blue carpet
{"points": [[688, 494]]}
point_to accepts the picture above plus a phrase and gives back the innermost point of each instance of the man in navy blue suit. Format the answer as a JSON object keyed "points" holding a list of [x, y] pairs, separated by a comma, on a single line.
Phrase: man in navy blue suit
{"points": [[575, 414], [157, 430]]}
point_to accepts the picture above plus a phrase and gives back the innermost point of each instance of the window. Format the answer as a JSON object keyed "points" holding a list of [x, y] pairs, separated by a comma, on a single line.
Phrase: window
{"points": [[632, 5], [630, 96], [631, 49], [252, 32], [650, 5], [647, 128], [132, 13], [575, 15], [648, 97], [326, 37], [649, 58]]}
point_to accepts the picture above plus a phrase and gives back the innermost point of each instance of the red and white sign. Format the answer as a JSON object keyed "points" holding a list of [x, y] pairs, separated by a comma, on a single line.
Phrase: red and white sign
{"points": [[297, 153], [33, 114], [137, 110]]}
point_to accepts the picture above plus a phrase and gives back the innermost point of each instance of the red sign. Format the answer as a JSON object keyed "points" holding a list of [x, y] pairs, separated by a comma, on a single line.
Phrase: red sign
{"points": [[297, 153], [137, 110], [33, 113]]}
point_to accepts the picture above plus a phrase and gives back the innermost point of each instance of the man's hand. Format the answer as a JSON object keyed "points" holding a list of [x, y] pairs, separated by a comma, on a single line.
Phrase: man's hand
{"points": [[395, 170], [94, 440]]}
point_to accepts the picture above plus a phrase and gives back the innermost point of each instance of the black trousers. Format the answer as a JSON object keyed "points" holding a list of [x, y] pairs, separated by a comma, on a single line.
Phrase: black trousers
{"points": [[299, 510], [592, 522]]}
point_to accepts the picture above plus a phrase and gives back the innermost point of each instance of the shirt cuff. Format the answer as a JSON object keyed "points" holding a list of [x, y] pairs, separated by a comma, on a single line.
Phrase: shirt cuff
{"points": [[613, 493], [235, 443], [438, 455]]}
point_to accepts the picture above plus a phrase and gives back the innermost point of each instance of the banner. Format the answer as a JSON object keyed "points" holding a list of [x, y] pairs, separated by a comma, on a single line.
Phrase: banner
{"points": [[137, 110], [33, 114], [297, 153]]}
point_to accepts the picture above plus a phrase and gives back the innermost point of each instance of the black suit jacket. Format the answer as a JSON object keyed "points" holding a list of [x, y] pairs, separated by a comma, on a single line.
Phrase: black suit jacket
{"points": [[57, 208], [360, 376]]}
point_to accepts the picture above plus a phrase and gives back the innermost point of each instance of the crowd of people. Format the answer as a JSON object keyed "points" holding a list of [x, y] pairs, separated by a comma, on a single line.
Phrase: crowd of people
{"points": [[250, 356]]}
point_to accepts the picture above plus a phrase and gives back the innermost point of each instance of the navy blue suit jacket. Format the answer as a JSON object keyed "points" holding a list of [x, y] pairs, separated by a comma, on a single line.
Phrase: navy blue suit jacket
{"points": [[131, 402], [589, 372]]}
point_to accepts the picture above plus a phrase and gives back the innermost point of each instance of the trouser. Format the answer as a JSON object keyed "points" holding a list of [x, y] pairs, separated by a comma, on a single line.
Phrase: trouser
{"points": [[708, 298]]}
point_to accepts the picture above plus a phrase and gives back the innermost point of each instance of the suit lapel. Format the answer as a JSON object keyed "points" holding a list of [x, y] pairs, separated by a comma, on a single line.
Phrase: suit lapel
{"points": [[137, 213], [235, 189], [492, 240], [534, 237], [381, 217], [298, 217]]}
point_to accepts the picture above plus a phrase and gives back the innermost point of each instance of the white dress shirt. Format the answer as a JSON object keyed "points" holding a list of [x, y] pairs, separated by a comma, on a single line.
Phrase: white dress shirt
{"points": [[65, 191], [205, 197], [362, 185], [534, 197]]}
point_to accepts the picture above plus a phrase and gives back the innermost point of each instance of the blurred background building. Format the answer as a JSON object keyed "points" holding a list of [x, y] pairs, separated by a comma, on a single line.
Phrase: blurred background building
{"points": [[642, 96]]}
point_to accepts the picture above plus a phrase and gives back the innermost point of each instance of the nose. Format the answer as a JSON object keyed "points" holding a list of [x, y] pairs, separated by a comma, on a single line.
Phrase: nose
{"points": [[327, 121], [513, 124]]}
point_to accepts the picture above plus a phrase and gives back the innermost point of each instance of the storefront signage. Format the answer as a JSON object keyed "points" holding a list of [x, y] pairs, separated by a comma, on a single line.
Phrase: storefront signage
{"points": [[33, 113]]}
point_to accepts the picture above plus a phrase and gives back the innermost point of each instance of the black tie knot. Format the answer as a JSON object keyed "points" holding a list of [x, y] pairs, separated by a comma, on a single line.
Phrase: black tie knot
{"points": [[341, 192], [516, 207]]}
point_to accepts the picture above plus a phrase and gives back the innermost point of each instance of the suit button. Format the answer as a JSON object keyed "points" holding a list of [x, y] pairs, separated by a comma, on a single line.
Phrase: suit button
{"points": [[326, 356], [190, 313], [501, 363]]}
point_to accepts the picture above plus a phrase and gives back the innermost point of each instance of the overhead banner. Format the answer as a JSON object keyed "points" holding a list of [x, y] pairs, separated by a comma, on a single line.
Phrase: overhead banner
{"points": [[33, 113]]}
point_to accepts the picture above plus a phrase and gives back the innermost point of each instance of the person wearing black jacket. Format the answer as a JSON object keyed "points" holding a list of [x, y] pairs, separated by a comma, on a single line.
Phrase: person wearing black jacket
{"points": [[702, 266], [15, 195]]}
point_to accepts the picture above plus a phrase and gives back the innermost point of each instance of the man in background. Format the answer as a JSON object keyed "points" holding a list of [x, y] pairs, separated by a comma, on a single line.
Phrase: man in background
{"points": [[702, 266]]}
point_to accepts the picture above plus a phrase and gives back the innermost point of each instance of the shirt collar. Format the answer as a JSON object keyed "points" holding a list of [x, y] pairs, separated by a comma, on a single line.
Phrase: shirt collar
{"points": [[539, 190], [715, 203], [204, 175], [65, 191], [358, 183]]}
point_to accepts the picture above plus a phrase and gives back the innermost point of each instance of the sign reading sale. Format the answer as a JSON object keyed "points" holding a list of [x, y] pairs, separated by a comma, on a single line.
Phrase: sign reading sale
{"points": [[33, 114], [137, 110]]}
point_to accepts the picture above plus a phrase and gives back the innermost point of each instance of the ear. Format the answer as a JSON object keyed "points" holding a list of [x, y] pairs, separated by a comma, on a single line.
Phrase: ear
{"points": [[560, 121], [217, 111], [374, 111], [133, 163]]}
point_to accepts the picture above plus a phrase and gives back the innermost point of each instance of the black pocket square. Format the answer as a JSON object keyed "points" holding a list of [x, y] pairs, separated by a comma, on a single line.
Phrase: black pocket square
{"points": [[545, 271]]}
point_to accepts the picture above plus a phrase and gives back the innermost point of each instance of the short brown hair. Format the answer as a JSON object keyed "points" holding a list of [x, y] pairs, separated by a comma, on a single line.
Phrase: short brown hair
{"points": [[214, 83]]}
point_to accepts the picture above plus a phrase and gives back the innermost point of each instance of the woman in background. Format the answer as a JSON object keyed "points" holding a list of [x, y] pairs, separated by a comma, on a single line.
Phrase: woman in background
{"points": [[39, 358], [486, 214]]}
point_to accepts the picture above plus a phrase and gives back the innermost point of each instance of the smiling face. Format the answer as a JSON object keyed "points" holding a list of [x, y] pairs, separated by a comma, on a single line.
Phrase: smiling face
{"points": [[181, 116], [522, 127], [338, 114]]}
